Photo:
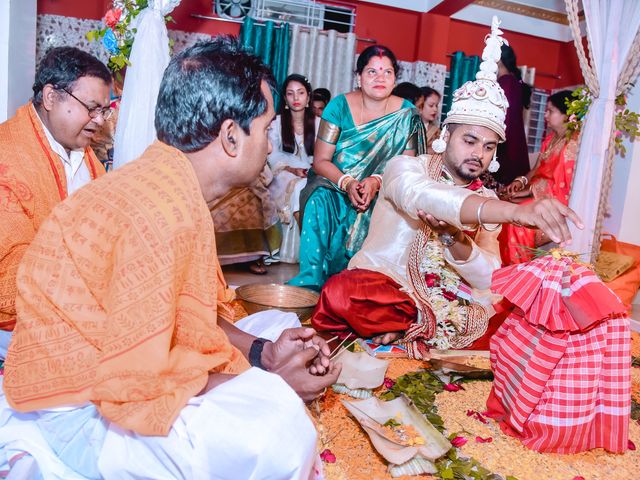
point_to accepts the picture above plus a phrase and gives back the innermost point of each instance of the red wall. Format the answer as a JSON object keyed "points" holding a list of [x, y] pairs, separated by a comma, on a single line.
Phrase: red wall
{"points": [[411, 35], [74, 8]]}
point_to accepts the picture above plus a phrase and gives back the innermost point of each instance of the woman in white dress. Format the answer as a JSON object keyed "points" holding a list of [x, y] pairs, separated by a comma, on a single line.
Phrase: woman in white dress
{"points": [[292, 135]]}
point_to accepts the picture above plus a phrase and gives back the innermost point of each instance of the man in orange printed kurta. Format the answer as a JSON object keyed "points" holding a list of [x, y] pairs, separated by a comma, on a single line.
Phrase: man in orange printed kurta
{"points": [[123, 316], [45, 155]]}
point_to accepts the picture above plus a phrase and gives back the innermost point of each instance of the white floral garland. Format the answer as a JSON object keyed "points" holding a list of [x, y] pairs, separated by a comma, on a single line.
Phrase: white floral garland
{"points": [[443, 281]]}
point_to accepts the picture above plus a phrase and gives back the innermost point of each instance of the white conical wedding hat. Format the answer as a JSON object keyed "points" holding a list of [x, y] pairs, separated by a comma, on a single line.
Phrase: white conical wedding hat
{"points": [[482, 102]]}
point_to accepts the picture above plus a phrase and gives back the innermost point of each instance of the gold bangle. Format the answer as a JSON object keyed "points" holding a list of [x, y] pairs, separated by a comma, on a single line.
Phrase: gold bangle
{"points": [[341, 180], [479, 215], [349, 180]]}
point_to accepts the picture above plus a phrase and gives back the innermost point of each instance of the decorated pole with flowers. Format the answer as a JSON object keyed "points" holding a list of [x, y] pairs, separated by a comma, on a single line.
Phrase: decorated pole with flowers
{"points": [[614, 65], [136, 37]]}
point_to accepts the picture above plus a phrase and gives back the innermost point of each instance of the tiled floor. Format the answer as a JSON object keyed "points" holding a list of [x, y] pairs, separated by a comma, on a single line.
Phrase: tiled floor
{"points": [[239, 274]]}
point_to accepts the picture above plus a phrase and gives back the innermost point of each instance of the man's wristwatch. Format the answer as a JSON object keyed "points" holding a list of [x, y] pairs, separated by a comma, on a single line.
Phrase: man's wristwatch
{"points": [[255, 353], [447, 239]]}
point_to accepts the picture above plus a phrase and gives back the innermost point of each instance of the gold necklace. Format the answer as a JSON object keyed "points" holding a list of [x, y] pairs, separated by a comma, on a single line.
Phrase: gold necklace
{"points": [[555, 141], [362, 110]]}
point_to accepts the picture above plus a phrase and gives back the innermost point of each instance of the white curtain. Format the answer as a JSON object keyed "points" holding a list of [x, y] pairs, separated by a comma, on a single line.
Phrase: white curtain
{"points": [[325, 57], [614, 56], [149, 58], [423, 74]]}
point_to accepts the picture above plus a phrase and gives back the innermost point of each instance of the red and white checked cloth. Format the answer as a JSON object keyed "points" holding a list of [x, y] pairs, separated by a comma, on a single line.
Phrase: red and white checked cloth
{"points": [[561, 360]]}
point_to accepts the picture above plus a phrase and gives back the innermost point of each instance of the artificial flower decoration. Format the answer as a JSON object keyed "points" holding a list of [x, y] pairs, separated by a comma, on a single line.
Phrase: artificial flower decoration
{"points": [[110, 42], [120, 31], [625, 122], [112, 17]]}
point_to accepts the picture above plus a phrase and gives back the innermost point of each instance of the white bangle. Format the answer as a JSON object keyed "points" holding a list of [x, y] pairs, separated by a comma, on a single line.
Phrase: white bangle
{"points": [[377, 177], [479, 215], [343, 181], [524, 180]]}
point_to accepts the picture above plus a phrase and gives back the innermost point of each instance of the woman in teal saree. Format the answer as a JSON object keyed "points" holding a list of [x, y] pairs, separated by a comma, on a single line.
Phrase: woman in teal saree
{"points": [[359, 132]]}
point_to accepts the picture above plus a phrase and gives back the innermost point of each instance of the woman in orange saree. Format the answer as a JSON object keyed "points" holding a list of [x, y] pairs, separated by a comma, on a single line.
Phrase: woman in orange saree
{"points": [[550, 178]]}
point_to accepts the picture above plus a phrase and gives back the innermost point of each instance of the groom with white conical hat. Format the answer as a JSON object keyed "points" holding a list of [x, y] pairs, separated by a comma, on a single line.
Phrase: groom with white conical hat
{"points": [[423, 274]]}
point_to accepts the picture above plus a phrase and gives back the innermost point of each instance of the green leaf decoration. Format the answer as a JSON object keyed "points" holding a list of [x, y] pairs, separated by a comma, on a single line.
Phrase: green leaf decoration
{"points": [[123, 34], [626, 122], [422, 388]]}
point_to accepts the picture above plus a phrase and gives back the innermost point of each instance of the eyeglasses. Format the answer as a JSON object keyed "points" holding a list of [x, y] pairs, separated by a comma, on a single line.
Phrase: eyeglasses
{"points": [[104, 112]]}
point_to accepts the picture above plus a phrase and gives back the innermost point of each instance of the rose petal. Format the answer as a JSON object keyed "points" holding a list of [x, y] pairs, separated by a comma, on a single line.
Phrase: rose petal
{"points": [[459, 441], [478, 416], [579, 477], [388, 383], [484, 440], [327, 456], [452, 387], [631, 445], [470, 413]]}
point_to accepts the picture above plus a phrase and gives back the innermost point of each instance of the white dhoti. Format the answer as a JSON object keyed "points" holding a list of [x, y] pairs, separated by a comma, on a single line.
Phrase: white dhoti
{"points": [[251, 427]]}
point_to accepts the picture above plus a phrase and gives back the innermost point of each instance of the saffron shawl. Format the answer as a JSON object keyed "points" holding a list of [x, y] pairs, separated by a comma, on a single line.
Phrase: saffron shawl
{"points": [[32, 182], [118, 299]]}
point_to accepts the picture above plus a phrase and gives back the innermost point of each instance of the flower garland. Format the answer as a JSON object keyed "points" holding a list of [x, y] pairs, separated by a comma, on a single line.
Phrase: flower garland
{"points": [[626, 122], [444, 287], [119, 32], [443, 283]]}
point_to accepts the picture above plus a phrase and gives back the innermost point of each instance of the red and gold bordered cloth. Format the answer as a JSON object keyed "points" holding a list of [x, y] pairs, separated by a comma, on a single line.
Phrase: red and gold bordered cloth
{"points": [[561, 360]]}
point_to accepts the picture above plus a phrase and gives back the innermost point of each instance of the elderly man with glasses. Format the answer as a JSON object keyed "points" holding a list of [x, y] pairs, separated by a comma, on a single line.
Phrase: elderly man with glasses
{"points": [[45, 156]]}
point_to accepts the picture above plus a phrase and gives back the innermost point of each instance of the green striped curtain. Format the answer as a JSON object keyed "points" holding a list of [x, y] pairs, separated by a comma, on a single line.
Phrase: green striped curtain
{"points": [[269, 41], [462, 69]]}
